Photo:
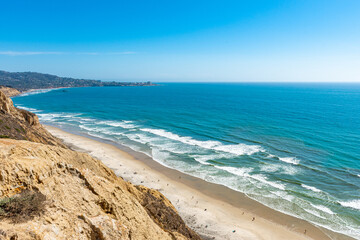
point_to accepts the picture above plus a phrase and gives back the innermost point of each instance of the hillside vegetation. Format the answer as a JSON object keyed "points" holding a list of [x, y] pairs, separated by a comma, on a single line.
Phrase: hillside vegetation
{"points": [[24, 81]]}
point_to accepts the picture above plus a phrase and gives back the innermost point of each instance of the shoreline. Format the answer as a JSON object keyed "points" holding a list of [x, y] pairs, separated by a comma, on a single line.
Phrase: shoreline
{"points": [[209, 209], [55, 88], [38, 89]]}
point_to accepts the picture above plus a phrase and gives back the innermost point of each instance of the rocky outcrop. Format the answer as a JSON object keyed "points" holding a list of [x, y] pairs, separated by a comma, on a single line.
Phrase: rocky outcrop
{"points": [[84, 198], [22, 125], [162, 211], [10, 92]]}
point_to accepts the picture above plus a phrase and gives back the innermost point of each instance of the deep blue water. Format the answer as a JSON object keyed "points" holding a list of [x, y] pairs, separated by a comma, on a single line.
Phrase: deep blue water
{"points": [[292, 147]]}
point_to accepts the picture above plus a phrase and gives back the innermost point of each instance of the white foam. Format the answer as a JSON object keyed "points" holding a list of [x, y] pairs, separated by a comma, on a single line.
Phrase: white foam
{"points": [[202, 159], [139, 138], [290, 170], [100, 130], [358, 175], [202, 162], [239, 149], [270, 168], [243, 172], [86, 119], [352, 204], [315, 213], [37, 91], [291, 160], [87, 128], [160, 156], [284, 195], [322, 208], [58, 116], [70, 115], [263, 179], [314, 189], [48, 116], [122, 124], [28, 109], [158, 143], [186, 140], [99, 136], [209, 157]]}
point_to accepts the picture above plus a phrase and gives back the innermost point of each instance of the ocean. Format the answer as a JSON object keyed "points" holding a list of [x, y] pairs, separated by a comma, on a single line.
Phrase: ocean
{"points": [[292, 147]]}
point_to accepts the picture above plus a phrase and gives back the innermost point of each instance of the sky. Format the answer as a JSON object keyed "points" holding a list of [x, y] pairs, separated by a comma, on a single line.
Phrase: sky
{"points": [[184, 41]]}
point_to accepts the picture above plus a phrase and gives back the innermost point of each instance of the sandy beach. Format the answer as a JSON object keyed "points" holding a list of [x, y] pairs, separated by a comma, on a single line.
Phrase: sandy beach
{"points": [[213, 211]]}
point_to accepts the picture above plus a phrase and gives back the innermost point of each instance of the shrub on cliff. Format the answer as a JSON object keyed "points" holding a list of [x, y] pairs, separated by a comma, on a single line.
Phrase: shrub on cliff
{"points": [[23, 206]]}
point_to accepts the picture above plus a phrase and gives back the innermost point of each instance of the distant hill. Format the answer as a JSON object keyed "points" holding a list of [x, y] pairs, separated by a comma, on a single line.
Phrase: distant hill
{"points": [[24, 81]]}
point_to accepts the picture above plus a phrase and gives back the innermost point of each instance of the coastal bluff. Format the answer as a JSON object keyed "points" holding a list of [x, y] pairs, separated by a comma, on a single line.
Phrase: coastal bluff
{"points": [[22, 125], [48, 191], [10, 92]]}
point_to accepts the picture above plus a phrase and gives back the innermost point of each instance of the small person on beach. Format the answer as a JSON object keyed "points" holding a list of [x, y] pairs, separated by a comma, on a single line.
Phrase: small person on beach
{"points": [[253, 219]]}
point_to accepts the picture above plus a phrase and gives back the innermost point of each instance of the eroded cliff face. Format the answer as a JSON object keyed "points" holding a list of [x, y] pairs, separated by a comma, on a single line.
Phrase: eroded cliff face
{"points": [[22, 125], [10, 92], [85, 199], [80, 197]]}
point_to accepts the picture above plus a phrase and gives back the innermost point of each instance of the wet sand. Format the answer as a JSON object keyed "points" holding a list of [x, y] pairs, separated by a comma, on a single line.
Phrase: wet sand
{"points": [[212, 210]]}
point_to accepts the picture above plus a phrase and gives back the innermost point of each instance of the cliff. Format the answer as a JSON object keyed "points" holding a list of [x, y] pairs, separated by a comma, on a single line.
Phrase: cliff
{"points": [[10, 92], [22, 125], [50, 192]]}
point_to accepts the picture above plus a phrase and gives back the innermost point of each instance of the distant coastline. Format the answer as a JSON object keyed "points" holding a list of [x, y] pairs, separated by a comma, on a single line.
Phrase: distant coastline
{"points": [[25, 81]]}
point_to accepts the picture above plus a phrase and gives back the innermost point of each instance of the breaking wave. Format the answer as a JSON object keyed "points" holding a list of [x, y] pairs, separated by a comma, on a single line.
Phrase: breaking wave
{"points": [[355, 204], [238, 149], [37, 91], [291, 160], [314, 189]]}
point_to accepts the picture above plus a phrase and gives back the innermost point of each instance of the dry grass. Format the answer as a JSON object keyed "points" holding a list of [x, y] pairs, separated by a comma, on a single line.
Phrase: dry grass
{"points": [[22, 207]]}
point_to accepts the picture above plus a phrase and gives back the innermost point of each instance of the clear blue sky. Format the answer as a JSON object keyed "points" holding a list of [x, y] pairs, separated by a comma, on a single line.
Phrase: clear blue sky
{"points": [[171, 40]]}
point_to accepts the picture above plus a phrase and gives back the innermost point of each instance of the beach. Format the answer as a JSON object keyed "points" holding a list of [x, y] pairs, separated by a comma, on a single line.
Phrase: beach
{"points": [[212, 210]]}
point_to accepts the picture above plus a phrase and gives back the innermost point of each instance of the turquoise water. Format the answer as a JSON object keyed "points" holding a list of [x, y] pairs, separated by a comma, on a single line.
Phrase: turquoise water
{"points": [[292, 147]]}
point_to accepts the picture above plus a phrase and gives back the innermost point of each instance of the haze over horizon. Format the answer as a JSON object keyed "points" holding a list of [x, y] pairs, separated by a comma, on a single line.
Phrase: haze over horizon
{"points": [[202, 41]]}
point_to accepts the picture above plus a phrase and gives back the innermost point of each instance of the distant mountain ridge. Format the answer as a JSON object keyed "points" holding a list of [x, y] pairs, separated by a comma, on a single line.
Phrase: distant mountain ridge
{"points": [[24, 81]]}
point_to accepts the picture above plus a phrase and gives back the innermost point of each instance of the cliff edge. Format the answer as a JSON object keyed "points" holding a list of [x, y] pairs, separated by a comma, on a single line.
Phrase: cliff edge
{"points": [[22, 125], [10, 92]]}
